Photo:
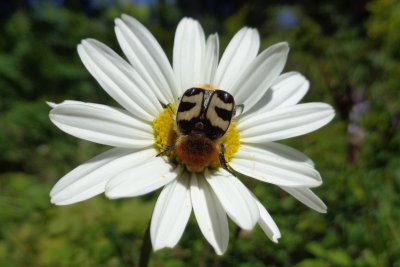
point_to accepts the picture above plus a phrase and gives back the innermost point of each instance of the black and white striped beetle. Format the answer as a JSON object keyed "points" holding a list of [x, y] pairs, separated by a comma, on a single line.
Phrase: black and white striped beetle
{"points": [[202, 118]]}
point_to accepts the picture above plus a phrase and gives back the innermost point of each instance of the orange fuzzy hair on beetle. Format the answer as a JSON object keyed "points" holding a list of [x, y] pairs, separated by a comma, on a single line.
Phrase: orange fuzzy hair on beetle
{"points": [[196, 151]]}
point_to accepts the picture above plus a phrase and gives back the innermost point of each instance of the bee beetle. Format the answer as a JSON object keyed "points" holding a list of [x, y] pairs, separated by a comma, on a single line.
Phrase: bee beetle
{"points": [[203, 117]]}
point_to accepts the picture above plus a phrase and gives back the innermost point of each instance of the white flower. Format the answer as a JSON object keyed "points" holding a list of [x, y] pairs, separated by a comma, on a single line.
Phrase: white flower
{"points": [[147, 83]]}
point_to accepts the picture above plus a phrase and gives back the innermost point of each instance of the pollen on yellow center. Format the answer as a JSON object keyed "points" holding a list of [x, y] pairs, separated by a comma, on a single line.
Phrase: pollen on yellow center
{"points": [[165, 136], [231, 142], [164, 132]]}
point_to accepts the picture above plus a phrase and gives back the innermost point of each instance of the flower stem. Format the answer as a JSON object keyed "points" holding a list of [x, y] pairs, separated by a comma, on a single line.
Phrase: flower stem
{"points": [[145, 251]]}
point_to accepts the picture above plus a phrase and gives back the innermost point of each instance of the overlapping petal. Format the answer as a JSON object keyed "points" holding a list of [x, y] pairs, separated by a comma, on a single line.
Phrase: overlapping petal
{"points": [[239, 53], [90, 178], [210, 215], [171, 213], [307, 197], [260, 75], [284, 123], [267, 224], [189, 54], [211, 58], [234, 197], [278, 151], [262, 164], [146, 176], [287, 90], [119, 79], [101, 124], [147, 57]]}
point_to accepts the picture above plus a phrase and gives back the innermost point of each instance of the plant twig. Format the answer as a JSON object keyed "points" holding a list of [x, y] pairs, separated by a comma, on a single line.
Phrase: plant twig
{"points": [[145, 251]]}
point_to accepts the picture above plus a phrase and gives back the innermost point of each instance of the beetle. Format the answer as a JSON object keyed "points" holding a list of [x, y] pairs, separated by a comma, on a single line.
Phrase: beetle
{"points": [[202, 119]]}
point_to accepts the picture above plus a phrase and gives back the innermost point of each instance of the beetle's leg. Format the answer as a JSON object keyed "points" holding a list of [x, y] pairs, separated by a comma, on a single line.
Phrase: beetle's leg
{"points": [[169, 105], [223, 162], [169, 148]]}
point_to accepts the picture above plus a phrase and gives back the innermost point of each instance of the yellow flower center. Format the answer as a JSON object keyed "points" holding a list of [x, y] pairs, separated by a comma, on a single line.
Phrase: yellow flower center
{"points": [[164, 130], [231, 142], [165, 135]]}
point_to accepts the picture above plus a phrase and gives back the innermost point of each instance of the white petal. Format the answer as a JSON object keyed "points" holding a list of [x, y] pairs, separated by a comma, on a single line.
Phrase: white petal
{"points": [[119, 79], [288, 90], [284, 122], [189, 54], [101, 124], [307, 197], [51, 104], [209, 213], [267, 223], [147, 57], [239, 53], [146, 176], [211, 58], [277, 151], [90, 178], [260, 164], [260, 75], [234, 197], [171, 213]]}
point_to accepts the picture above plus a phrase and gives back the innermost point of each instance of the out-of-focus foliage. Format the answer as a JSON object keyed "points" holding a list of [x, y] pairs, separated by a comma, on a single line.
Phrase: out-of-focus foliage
{"points": [[349, 52]]}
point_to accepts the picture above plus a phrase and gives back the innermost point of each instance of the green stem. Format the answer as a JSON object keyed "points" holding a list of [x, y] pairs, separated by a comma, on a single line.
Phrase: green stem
{"points": [[145, 252]]}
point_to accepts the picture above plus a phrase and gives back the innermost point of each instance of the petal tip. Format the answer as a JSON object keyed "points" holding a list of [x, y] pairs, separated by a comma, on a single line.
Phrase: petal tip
{"points": [[323, 209], [110, 193], [275, 238], [285, 47], [219, 252], [126, 16], [57, 201], [52, 200], [156, 247], [317, 183], [85, 42], [51, 104], [118, 21], [79, 47]]}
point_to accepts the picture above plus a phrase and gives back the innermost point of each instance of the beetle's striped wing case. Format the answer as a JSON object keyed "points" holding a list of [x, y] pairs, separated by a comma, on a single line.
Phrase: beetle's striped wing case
{"points": [[206, 112]]}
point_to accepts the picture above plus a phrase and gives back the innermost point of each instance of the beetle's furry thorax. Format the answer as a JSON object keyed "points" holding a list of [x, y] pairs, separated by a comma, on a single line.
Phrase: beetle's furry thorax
{"points": [[196, 151]]}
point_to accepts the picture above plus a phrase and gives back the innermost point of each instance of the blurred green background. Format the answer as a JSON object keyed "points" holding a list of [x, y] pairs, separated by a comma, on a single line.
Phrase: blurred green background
{"points": [[350, 52]]}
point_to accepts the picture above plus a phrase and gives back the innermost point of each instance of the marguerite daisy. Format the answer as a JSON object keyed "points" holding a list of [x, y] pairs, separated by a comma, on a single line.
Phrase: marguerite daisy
{"points": [[154, 97]]}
